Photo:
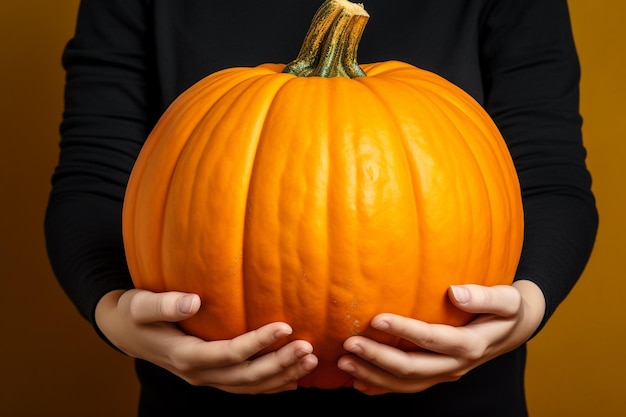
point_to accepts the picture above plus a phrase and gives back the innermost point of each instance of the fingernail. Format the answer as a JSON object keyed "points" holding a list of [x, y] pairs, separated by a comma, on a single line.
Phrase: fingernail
{"points": [[346, 367], [461, 294], [355, 348], [303, 351], [185, 305], [380, 324], [281, 332]]}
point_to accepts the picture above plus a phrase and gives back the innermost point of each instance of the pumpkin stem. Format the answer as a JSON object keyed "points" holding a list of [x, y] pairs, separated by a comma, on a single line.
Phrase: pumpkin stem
{"points": [[330, 46]]}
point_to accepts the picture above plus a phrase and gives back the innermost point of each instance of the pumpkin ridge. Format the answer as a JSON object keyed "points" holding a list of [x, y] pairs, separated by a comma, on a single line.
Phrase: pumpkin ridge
{"points": [[198, 125], [504, 178], [293, 204], [490, 147], [135, 241], [377, 75], [265, 83], [493, 185], [167, 123], [397, 110], [218, 85], [241, 127], [447, 113], [480, 185], [487, 150], [374, 149], [436, 109]]}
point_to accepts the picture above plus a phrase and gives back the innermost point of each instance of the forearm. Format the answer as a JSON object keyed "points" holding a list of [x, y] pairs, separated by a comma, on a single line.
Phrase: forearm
{"points": [[532, 79], [108, 113], [84, 243]]}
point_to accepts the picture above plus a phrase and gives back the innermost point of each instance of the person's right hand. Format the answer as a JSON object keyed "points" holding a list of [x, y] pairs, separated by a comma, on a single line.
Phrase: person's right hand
{"points": [[141, 324]]}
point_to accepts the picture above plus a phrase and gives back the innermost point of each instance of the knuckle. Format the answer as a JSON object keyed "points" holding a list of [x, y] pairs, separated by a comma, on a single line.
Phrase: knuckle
{"points": [[166, 305], [474, 349], [232, 353], [247, 377], [181, 364], [193, 380], [455, 376], [405, 372], [427, 340], [515, 303], [473, 354], [135, 307]]}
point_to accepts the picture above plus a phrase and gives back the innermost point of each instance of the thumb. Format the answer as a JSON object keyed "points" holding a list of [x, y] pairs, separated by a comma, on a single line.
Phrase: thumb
{"points": [[172, 306], [501, 300]]}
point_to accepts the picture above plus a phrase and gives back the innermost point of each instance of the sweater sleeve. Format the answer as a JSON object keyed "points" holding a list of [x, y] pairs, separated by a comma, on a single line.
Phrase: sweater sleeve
{"points": [[106, 119], [531, 78]]}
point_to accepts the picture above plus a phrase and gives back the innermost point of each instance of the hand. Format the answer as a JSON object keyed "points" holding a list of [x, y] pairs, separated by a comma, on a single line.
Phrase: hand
{"points": [[140, 323], [508, 317]]}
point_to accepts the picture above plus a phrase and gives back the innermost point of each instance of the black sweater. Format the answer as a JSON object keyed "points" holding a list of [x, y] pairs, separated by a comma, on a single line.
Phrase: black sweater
{"points": [[130, 58]]}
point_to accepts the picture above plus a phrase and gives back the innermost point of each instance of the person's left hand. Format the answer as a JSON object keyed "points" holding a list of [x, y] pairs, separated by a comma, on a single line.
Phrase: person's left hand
{"points": [[508, 317]]}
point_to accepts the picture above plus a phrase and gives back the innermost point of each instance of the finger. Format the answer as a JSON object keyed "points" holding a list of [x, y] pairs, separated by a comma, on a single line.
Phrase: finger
{"points": [[227, 364], [399, 372], [220, 353], [422, 364], [150, 307], [288, 379], [279, 368], [273, 372], [439, 338], [501, 300]]}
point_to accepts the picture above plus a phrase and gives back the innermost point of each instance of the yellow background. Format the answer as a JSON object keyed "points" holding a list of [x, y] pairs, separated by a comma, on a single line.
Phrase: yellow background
{"points": [[52, 363]]}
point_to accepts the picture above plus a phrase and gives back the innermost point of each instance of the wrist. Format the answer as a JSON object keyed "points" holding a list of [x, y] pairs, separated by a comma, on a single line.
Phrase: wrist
{"points": [[534, 304], [104, 314]]}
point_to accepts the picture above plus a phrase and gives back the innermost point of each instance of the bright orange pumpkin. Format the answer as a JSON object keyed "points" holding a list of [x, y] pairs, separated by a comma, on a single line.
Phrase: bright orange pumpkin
{"points": [[325, 199]]}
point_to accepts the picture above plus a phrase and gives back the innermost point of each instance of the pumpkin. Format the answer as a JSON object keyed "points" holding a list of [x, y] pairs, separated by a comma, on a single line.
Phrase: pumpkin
{"points": [[321, 193]]}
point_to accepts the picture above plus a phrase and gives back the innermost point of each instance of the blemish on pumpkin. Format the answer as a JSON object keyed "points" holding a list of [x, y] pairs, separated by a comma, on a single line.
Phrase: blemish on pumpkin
{"points": [[303, 275], [353, 305], [349, 283], [356, 326], [371, 171], [230, 272], [235, 267]]}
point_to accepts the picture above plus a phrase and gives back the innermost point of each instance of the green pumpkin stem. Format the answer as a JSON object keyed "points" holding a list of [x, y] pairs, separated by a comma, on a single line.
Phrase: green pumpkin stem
{"points": [[330, 46]]}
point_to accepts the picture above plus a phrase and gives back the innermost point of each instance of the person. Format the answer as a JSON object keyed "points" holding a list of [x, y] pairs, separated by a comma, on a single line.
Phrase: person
{"points": [[129, 59]]}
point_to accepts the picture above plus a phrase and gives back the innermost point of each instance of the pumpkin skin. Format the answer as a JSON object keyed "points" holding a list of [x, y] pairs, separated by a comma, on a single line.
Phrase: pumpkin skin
{"points": [[322, 202]]}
